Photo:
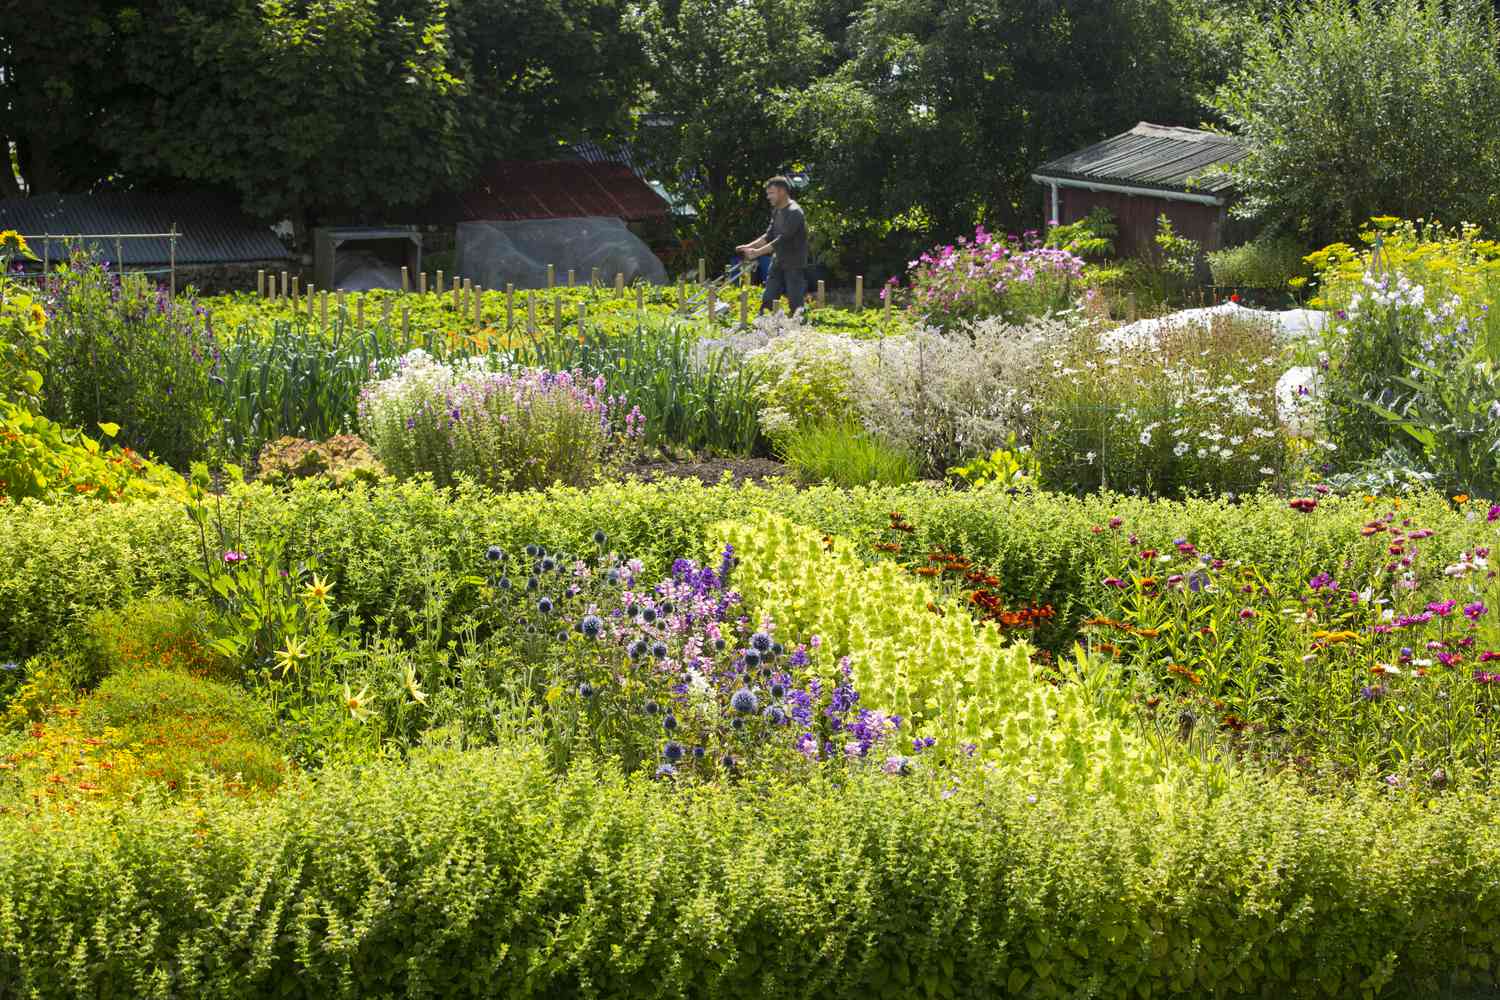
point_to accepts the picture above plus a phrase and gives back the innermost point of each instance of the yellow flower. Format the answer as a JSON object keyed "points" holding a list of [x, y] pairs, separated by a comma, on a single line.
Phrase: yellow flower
{"points": [[14, 242], [409, 678], [1461, 499], [290, 658], [357, 704], [319, 590]]}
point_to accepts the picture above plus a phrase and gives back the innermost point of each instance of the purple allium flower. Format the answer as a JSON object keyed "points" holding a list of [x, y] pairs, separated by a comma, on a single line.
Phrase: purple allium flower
{"points": [[672, 751], [659, 650]]}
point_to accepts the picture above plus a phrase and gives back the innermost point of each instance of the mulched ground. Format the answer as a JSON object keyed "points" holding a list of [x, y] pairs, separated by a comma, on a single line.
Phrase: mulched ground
{"points": [[710, 470]]}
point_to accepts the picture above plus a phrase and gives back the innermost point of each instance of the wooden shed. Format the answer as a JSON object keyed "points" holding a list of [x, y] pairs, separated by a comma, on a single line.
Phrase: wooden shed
{"points": [[1142, 174]]}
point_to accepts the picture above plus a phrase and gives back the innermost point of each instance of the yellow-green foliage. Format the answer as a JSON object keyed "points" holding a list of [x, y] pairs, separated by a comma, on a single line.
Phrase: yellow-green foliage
{"points": [[953, 678], [149, 727], [1446, 261]]}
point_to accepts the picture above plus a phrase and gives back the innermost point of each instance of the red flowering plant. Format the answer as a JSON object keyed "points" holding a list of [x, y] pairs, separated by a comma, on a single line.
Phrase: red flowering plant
{"points": [[1013, 277]]}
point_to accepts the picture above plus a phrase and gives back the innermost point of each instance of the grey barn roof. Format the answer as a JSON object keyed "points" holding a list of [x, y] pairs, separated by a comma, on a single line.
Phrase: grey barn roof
{"points": [[213, 230], [1155, 157]]}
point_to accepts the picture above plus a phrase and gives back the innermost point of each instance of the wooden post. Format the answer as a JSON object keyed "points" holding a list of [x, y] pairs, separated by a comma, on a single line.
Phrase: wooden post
{"points": [[531, 313], [640, 298], [284, 286], [890, 293], [557, 313], [323, 323], [440, 282], [310, 290], [510, 306], [744, 307], [359, 311], [385, 314], [593, 277], [405, 281], [859, 292], [712, 304], [571, 277], [260, 283], [682, 294], [422, 282], [296, 292], [551, 276], [822, 293], [702, 270], [619, 285], [479, 305], [343, 308]]}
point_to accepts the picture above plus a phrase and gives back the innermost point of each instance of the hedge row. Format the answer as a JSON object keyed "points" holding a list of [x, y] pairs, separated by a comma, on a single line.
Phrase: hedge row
{"points": [[484, 874], [383, 543]]}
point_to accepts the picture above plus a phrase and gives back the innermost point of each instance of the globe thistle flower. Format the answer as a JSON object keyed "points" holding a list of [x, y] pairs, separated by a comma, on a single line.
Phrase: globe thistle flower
{"points": [[591, 626], [778, 691], [727, 762], [549, 564], [648, 615], [666, 771], [636, 649], [777, 649], [562, 635], [760, 642], [698, 753], [672, 751], [494, 553], [752, 659], [669, 722], [532, 551], [585, 690], [719, 644], [744, 701], [659, 650], [505, 583], [532, 583], [544, 605], [738, 723], [774, 715], [666, 607], [613, 576], [600, 537], [652, 708]]}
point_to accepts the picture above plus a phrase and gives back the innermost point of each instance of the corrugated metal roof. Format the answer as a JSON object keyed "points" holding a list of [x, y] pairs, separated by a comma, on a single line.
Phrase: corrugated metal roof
{"points": [[214, 230], [1154, 156], [546, 189]]}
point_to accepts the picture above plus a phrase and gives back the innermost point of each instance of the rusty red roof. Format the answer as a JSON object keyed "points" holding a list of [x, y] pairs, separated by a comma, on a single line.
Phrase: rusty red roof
{"points": [[546, 189]]}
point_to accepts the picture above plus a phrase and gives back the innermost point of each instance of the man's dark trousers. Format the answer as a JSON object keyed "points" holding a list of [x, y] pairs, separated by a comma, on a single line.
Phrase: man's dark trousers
{"points": [[790, 280]]}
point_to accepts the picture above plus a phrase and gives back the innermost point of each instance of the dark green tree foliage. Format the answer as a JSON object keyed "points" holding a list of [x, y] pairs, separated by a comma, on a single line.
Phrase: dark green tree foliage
{"points": [[713, 127], [319, 104], [1354, 108], [941, 110]]}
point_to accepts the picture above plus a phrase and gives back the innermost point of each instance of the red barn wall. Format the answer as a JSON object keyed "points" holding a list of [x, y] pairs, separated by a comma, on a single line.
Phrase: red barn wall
{"points": [[1136, 215]]}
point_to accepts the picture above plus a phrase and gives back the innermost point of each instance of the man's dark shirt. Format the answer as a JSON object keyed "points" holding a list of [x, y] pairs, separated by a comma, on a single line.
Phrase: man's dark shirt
{"points": [[789, 229]]}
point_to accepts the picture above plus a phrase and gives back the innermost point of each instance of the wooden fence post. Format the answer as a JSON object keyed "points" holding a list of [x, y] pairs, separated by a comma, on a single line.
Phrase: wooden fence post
{"points": [[422, 282], [453, 294], [310, 290], [682, 294], [859, 292], [571, 277], [343, 310], [744, 307], [284, 286], [551, 276], [405, 281], [822, 293], [889, 294], [260, 283], [296, 293], [619, 284], [702, 270]]}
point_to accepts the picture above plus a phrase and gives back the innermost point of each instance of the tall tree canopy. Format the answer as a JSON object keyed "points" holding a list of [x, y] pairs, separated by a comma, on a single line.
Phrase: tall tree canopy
{"points": [[307, 104]]}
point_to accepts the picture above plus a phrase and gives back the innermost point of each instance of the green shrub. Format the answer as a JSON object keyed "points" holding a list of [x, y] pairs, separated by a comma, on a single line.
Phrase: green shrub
{"points": [[844, 454], [122, 350], [151, 633], [523, 430], [482, 874], [1267, 263]]}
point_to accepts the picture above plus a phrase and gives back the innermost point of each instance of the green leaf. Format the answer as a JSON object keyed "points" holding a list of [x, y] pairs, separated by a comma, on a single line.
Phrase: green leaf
{"points": [[109, 429]]}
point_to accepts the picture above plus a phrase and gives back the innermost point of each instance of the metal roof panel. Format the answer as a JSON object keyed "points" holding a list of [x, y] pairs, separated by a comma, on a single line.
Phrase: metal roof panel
{"points": [[1154, 156]]}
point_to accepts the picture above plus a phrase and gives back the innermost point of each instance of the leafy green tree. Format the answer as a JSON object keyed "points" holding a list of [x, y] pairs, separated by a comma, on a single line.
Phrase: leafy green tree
{"points": [[1356, 108], [711, 125], [942, 108], [339, 106]]}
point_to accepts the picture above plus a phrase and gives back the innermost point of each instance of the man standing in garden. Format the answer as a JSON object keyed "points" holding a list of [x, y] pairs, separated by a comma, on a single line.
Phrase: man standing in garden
{"points": [[787, 238]]}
